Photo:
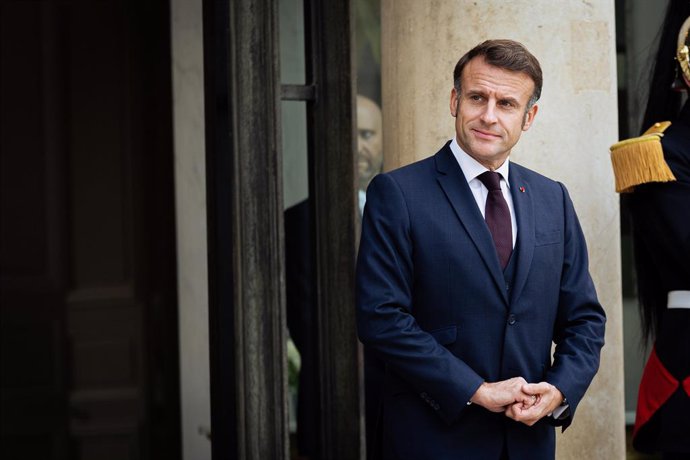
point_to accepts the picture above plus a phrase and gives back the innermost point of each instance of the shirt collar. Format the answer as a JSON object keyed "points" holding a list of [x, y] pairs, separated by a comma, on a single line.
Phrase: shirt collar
{"points": [[471, 168]]}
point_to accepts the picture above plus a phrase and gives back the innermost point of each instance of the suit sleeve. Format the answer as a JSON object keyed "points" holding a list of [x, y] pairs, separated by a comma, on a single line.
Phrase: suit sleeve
{"points": [[580, 322], [386, 325]]}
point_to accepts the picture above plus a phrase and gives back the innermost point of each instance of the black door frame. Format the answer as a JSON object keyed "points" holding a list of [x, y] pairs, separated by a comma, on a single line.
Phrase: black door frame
{"points": [[245, 226]]}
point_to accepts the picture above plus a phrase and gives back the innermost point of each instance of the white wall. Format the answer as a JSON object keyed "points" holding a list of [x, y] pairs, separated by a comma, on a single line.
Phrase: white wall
{"points": [[190, 194]]}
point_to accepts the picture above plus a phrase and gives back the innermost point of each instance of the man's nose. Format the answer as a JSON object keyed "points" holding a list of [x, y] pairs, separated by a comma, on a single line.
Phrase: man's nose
{"points": [[489, 113]]}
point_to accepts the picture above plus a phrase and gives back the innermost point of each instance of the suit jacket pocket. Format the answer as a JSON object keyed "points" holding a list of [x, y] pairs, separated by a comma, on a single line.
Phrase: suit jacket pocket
{"points": [[549, 237], [445, 335]]}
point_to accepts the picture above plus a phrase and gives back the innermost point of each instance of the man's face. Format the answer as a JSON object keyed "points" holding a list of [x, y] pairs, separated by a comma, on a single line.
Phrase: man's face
{"points": [[491, 111], [370, 140]]}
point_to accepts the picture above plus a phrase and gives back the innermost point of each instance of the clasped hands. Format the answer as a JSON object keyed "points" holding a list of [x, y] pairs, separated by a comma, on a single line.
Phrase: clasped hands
{"points": [[523, 402]]}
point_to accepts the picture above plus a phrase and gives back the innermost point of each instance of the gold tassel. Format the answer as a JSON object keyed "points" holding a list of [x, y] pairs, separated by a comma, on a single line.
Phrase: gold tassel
{"points": [[640, 160]]}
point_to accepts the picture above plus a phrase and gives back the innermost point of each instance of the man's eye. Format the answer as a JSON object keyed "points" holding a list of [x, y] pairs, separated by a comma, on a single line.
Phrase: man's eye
{"points": [[475, 97], [366, 134]]}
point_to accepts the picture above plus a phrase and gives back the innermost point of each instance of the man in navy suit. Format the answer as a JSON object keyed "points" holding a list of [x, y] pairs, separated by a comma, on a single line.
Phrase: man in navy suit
{"points": [[463, 311]]}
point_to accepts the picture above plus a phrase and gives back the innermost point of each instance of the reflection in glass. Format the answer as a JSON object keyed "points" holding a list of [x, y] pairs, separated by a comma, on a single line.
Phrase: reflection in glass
{"points": [[292, 62], [300, 320], [294, 139], [301, 347], [301, 316], [368, 110], [370, 160], [369, 145]]}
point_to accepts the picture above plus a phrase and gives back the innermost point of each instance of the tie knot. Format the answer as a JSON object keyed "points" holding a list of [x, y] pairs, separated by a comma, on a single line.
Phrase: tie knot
{"points": [[491, 180]]}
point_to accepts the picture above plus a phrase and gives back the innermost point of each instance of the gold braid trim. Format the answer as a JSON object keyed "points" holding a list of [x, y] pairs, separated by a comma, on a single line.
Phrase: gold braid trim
{"points": [[640, 160]]}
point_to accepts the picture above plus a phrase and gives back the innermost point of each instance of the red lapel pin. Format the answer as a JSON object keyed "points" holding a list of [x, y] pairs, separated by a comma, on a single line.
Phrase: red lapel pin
{"points": [[522, 189]]}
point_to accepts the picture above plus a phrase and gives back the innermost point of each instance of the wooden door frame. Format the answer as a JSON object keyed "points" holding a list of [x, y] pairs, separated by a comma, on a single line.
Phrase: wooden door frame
{"points": [[245, 226], [332, 135]]}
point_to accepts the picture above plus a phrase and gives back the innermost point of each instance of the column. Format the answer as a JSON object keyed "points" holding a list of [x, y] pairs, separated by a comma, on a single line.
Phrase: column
{"points": [[576, 123]]}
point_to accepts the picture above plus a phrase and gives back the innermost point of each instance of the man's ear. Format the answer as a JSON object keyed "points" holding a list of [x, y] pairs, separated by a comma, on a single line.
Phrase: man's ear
{"points": [[454, 102], [529, 117]]}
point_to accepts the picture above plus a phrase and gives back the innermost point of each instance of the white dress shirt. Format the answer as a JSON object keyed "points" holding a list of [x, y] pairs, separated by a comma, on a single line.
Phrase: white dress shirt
{"points": [[471, 168], [361, 201]]}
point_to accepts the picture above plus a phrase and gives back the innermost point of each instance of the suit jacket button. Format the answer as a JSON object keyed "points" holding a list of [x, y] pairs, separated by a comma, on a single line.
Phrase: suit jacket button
{"points": [[511, 319]]}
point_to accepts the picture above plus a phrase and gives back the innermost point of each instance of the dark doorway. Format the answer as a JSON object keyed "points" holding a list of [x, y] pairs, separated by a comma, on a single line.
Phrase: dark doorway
{"points": [[88, 307], [246, 98]]}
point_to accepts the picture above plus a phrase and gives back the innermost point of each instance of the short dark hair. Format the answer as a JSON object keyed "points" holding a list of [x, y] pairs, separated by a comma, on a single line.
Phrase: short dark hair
{"points": [[505, 54]]}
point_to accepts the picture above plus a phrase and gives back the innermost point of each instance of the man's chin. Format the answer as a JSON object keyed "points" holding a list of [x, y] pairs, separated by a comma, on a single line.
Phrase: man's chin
{"points": [[485, 149]]}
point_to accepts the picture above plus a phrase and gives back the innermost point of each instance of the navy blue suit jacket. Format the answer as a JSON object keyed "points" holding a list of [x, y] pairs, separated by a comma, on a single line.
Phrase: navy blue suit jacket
{"points": [[433, 304]]}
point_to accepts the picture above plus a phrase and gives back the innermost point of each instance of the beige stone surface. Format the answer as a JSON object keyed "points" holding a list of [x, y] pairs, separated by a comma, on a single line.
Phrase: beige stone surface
{"points": [[576, 123], [190, 211]]}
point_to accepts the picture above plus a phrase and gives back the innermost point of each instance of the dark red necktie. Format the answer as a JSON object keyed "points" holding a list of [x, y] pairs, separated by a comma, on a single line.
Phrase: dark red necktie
{"points": [[497, 216]]}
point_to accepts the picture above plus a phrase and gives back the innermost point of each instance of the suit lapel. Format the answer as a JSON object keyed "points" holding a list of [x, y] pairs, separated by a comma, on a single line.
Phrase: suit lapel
{"points": [[454, 185], [522, 202]]}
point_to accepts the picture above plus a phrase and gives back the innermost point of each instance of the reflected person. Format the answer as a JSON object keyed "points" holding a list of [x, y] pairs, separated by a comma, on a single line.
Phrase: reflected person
{"points": [[300, 304], [369, 164], [369, 145]]}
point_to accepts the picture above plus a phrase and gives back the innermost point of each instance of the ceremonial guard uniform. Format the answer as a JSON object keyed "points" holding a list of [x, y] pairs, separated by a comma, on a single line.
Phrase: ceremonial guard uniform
{"points": [[661, 232], [655, 170]]}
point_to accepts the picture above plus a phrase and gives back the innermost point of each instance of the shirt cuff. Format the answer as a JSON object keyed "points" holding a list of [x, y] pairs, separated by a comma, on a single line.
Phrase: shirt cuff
{"points": [[561, 412]]}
